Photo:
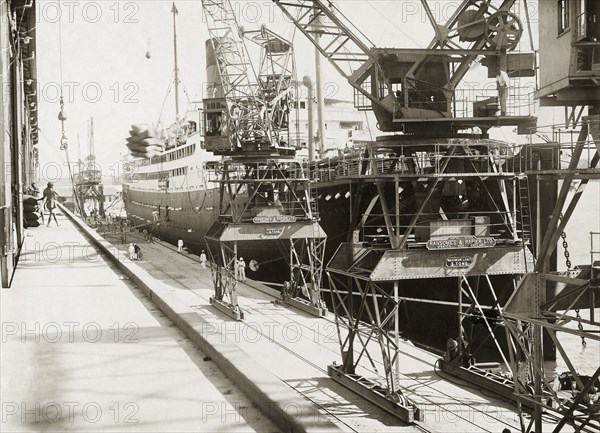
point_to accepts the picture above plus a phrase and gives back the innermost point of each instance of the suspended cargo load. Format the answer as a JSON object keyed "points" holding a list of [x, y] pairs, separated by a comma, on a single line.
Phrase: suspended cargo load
{"points": [[145, 141]]}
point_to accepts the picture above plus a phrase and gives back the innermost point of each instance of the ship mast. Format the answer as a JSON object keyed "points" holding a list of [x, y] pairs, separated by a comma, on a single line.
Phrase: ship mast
{"points": [[176, 68], [319, 88]]}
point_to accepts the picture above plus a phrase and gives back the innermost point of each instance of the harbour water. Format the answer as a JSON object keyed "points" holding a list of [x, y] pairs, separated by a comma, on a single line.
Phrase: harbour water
{"points": [[586, 357], [585, 219]]}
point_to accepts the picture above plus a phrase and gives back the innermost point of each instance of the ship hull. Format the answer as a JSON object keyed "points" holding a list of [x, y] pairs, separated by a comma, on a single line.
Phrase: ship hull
{"points": [[429, 312], [187, 216]]}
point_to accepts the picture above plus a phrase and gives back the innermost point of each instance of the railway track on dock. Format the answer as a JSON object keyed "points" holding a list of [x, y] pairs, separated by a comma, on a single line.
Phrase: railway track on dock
{"points": [[442, 411]]}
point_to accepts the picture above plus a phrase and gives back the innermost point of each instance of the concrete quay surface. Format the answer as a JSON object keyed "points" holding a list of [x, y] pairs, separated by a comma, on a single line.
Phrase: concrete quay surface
{"points": [[85, 350]]}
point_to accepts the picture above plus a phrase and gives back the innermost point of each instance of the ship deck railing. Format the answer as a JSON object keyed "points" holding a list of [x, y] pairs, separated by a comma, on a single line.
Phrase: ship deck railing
{"points": [[423, 163], [481, 160]]}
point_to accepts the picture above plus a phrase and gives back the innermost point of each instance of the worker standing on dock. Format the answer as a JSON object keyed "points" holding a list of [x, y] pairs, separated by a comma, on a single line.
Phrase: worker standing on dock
{"points": [[131, 251], [138, 252], [180, 246], [241, 268], [203, 260], [34, 190]]}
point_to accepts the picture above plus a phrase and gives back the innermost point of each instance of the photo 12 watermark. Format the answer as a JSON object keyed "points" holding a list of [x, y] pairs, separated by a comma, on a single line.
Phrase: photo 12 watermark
{"points": [[271, 331], [70, 412], [91, 92], [69, 332], [92, 12], [237, 413]]}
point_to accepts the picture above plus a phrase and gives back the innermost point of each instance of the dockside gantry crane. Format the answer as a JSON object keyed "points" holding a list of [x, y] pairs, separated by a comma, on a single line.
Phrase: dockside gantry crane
{"points": [[441, 157], [88, 180], [265, 196]]}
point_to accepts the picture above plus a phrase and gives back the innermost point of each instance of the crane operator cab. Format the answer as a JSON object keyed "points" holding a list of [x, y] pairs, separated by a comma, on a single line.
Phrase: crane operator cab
{"points": [[426, 84]]}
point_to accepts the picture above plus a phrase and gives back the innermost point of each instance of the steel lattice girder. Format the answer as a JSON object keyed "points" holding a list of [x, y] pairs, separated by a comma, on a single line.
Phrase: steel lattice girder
{"points": [[527, 314]]}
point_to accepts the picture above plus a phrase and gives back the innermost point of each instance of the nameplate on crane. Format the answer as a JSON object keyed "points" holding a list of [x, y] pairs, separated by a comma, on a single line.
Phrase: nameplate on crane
{"points": [[457, 243], [459, 262], [270, 219], [273, 231]]}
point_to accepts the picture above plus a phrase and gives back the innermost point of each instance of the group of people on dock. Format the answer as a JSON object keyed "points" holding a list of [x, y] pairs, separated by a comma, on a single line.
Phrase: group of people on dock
{"points": [[135, 252]]}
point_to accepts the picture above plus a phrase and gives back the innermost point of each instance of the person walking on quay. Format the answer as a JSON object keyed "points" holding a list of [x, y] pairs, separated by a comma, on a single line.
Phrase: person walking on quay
{"points": [[180, 246], [203, 260], [241, 269], [145, 232], [50, 196], [138, 251]]}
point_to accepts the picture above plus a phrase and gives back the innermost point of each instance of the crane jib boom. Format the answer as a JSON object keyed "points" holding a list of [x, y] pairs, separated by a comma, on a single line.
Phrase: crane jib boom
{"points": [[247, 114], [276, 74], [349, 54], [246, 118]]}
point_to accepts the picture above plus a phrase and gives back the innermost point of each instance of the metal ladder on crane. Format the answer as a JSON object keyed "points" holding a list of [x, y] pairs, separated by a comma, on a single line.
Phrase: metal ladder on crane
{"points": [[524, 209]]}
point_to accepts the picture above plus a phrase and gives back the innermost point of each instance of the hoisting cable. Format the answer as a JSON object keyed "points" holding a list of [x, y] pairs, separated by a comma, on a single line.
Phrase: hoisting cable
{"points": [[169, 87], [62, 115]]}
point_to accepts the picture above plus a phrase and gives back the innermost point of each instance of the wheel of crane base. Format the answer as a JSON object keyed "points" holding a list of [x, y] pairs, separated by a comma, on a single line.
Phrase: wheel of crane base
{"points": [[401, 399], [503, 30]]}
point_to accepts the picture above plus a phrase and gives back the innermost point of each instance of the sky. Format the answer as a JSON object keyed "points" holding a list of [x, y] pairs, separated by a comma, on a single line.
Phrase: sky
{"points": [[100, 47], [98, 50]]}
